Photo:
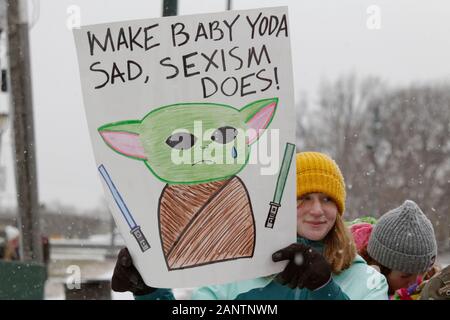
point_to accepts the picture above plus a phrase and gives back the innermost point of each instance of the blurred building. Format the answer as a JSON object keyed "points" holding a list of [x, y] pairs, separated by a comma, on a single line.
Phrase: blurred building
{"points": [[67, 225]]}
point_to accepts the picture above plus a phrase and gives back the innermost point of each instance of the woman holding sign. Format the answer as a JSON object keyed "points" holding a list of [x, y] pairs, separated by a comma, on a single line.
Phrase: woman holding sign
{"points": [[323, 264]]}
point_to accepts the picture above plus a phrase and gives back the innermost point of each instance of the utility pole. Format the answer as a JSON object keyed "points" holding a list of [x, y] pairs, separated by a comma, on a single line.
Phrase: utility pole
{"points": [[170, 8], [22, 114]]}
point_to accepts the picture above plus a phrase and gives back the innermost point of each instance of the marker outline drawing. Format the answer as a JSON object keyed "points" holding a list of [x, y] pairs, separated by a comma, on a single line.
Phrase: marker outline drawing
{"points": [[205, 213], [135, 229], [275, 204]]}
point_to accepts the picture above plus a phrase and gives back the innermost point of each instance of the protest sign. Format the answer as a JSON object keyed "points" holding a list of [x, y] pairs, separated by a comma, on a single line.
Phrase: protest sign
{"points": [[192, 124]]}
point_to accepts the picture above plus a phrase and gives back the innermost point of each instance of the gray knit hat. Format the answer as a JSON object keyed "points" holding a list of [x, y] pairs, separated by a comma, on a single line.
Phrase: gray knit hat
{"points": [[403, 239]]}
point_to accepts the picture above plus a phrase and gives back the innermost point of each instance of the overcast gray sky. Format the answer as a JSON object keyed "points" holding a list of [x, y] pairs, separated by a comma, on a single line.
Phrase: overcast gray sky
{"points": [[329, 38]]}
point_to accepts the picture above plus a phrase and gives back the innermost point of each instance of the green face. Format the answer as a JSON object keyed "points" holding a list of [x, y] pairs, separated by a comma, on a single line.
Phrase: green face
{"points": [[193, 142]]}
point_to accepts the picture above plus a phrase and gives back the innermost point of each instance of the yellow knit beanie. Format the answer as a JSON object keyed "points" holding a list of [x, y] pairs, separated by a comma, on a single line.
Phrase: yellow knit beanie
{"points": [[316, 172]]}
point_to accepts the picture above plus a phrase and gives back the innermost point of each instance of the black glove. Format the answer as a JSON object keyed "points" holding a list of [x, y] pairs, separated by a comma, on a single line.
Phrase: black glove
{"points": [[307, 268], [127, 278]]}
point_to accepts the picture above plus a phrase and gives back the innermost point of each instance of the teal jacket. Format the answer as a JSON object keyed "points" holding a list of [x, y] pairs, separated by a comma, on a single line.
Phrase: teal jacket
{"points": [[358, 282]]}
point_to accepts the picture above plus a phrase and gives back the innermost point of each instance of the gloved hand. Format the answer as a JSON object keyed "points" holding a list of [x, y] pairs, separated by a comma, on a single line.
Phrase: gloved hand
{"points": [[127, 278], [438, 287], [307, 268]]}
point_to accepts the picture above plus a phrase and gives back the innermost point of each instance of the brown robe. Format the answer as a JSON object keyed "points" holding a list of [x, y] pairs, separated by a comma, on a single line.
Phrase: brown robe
{"points": [[206, 223]]}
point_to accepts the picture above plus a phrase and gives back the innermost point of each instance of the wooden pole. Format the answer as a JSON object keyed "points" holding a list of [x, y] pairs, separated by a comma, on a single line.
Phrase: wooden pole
{"points": [[23, 127]]}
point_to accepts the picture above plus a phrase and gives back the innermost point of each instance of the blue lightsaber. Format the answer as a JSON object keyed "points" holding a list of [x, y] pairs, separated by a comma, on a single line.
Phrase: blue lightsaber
{"points": [[135, 230]]}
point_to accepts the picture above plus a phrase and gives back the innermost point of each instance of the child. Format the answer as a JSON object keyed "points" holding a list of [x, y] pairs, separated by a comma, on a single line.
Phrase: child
{"points": [[402, 245]]}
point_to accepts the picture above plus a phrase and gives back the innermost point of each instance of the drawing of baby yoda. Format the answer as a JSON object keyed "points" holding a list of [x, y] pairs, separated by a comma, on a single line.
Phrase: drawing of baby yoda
{"points": [[205, 213]]}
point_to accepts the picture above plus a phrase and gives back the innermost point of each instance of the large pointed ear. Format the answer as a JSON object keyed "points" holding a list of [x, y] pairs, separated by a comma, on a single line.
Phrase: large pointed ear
{"points": [[123, 137], [257, 116]]}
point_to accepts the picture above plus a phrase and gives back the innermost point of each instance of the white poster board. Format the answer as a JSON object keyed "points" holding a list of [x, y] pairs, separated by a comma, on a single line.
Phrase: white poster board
{"points": [[190, 119]]}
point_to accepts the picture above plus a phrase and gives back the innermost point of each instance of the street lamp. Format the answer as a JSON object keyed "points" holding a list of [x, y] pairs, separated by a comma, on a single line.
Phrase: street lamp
{"points": [[170, 8], [229, 5]]}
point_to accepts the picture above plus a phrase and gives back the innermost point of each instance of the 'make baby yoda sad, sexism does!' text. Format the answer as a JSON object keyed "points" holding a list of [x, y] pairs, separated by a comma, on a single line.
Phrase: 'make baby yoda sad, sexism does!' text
{"points": [[225, 68]]}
